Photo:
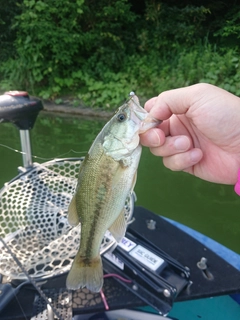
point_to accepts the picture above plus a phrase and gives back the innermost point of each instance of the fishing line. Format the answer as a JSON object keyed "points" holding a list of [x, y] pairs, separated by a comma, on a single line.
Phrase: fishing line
{"points": [[20, 306], [41, 158], [33, 282]]}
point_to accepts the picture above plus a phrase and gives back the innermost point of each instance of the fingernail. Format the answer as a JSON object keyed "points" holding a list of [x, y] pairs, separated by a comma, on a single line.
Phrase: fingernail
{"points": [[181, 144], [195, 155], [153, 138]]}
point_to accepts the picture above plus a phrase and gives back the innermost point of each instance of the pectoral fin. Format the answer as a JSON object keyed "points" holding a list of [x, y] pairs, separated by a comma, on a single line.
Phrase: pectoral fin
{"points": [[118, 228], [73, 218]]}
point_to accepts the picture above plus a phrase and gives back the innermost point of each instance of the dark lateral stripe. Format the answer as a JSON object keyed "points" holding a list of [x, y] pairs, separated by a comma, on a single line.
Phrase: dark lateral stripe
{"points": [[100, 203]]}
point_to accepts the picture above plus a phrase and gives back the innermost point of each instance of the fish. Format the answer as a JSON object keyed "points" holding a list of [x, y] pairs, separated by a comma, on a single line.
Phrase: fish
{"points": [[107, 176]]}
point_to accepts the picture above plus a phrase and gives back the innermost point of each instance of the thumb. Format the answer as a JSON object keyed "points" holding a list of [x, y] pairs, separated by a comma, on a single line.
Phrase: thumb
{"points": [[176, 101]]}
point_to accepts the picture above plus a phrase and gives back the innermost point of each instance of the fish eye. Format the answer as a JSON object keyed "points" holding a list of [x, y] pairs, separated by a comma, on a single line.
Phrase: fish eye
{"points": [[121, 117]]}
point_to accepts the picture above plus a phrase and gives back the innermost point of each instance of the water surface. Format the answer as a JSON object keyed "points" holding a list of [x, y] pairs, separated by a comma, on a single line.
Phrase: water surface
{"points": [[209, 208]]}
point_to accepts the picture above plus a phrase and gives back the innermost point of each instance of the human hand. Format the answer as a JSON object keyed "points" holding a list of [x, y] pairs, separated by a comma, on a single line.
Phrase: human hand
{"points": [[200, 133]]}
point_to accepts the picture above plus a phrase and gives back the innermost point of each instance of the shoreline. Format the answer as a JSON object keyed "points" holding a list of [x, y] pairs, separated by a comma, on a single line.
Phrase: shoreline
{"points": [[87, 112]]}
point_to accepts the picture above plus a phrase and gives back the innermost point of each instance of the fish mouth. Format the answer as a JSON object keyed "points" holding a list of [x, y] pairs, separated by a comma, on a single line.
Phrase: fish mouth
{"points": [[148, 123], [146, 120]]}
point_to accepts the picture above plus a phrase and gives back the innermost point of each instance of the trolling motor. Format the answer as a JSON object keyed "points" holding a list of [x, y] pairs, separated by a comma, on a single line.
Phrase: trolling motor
{"points": [[21, 110]]}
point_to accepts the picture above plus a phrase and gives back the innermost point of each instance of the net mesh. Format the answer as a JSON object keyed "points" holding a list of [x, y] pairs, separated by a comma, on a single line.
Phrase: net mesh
{"points": [[33, 220]]}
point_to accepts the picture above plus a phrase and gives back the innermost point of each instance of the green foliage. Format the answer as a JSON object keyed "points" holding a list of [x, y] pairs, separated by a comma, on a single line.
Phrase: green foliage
{"points": [[206, 64], [100, 50], [168, 26], [55, 38], [47, 38], [229, 32], [8, 10], [203, 63]]}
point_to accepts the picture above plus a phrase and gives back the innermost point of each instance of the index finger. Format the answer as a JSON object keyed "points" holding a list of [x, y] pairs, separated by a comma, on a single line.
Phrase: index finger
{"points": [[150, 103], [176, 101]]}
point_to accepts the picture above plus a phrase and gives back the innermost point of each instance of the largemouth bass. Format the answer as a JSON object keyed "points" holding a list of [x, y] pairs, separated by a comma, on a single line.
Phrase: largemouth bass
{"points": [[107, 176]]}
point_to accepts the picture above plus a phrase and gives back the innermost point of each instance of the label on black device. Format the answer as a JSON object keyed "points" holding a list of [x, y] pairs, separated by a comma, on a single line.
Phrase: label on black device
{"points": [[138, 252]]}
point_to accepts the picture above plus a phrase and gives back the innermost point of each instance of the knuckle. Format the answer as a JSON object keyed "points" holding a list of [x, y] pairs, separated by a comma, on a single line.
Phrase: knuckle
{"points": [[175, 162]]}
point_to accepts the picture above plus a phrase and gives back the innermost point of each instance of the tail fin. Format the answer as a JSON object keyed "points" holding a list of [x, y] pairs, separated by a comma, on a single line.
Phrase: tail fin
{"points": [[89, 275]]}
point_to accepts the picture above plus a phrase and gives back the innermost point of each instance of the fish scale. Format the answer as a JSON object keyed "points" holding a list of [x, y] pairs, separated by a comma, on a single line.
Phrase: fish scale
{"points": [[100, 211]]}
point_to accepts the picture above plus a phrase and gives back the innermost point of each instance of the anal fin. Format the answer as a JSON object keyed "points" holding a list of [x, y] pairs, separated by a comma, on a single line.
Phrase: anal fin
{"points": [[118, 228]]}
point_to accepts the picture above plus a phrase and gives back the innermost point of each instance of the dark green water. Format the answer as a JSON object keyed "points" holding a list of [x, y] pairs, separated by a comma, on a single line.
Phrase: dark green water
{"points": [[209, 208]]}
